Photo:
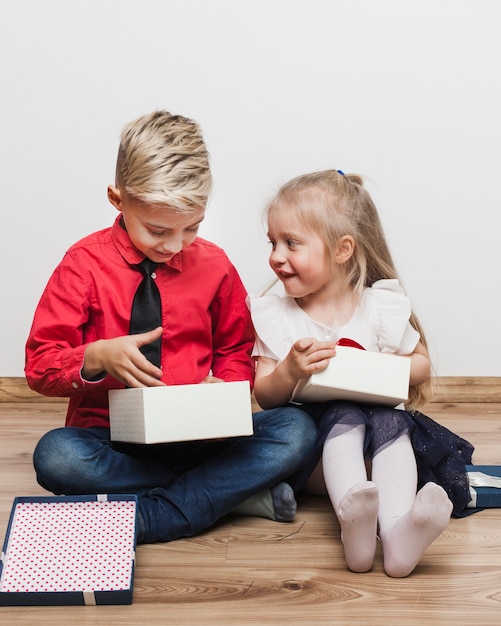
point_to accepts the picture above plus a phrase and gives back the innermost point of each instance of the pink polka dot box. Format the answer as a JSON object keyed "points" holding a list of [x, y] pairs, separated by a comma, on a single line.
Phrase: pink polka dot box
{"points": [[63, 550]]}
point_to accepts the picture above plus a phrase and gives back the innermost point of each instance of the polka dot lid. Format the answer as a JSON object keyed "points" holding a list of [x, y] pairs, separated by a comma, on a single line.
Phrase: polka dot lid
{"points": [[58, 545]]}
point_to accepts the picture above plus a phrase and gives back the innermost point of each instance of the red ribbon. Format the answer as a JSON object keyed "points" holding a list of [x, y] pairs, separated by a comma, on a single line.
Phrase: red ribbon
{"points": [[344, 341]]}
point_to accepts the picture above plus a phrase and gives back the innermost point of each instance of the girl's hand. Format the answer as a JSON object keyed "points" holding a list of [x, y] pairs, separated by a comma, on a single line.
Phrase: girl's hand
{"points": [[275, 382], [121, 358], [308, 356], [420, 365]]}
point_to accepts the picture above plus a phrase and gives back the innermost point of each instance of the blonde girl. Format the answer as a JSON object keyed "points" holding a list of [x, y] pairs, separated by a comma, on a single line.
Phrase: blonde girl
{"points": [[329, 251]]}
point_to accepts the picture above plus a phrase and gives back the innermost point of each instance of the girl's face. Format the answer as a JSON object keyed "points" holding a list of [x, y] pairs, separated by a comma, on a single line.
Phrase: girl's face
{"points": [[298, 257]]}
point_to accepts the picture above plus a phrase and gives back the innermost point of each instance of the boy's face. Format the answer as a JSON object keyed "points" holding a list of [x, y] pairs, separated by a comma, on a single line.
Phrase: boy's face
{"points": [[158, 232]]}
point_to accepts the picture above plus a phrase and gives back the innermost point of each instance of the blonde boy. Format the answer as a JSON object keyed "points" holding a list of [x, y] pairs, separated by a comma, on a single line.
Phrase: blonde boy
{"points": [[80, 346]]}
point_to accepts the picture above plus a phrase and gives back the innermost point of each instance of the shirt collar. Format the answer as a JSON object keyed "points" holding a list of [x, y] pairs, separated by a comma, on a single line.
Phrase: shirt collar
{"points": [[131, 254]]}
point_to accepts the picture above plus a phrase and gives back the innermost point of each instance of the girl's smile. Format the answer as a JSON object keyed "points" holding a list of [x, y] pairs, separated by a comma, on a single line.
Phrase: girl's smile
{"points": [[298, 257]]}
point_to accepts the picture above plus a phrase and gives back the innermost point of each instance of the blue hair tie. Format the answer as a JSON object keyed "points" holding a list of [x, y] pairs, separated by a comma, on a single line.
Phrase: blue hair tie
{"points": [[340, 172]]}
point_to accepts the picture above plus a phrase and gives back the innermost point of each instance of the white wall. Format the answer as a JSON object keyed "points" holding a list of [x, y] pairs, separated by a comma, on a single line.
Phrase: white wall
{"points": [[407, 94]]}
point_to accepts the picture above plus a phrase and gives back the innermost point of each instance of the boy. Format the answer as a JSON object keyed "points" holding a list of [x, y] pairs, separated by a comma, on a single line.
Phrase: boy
{"points": [[81, 345]]}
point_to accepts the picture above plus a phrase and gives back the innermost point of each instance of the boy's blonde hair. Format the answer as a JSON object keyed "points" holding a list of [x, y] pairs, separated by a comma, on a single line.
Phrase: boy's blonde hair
{"points": [[333, 204], [163, 160]]}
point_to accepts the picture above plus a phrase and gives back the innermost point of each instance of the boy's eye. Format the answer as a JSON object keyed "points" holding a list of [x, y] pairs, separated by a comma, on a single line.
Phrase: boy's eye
{"points": [[193, 230], [292, 244], [156, 233]]}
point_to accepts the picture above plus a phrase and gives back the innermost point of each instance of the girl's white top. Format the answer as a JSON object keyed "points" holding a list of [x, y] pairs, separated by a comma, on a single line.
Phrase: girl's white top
{"points": [[380, 322]]}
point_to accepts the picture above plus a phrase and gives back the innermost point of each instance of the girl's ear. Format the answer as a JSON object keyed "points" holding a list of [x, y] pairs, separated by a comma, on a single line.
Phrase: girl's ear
{"points": [[344, 250]]}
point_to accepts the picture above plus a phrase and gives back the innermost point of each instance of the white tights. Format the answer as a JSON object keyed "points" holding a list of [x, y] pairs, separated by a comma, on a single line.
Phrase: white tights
{"points": [[408, 523]]}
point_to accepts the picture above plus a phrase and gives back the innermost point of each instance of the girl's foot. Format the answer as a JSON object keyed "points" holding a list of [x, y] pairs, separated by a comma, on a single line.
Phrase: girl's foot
{"points": [[357, 514], [406, 541]]}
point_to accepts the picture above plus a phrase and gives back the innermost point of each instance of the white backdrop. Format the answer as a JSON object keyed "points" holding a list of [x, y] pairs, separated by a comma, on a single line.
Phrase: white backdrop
{"points": [[407, 94]]}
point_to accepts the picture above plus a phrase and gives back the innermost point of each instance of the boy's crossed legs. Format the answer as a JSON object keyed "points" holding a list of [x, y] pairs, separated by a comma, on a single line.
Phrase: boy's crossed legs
{"points": [[173, 503]]}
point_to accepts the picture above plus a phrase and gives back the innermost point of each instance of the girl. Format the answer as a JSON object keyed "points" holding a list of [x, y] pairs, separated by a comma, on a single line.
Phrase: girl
{"points": [[330, 253]]}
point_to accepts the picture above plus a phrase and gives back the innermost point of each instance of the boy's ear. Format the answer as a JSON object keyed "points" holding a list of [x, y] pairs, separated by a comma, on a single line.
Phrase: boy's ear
{"points": [[115, 197], [344, 250]]}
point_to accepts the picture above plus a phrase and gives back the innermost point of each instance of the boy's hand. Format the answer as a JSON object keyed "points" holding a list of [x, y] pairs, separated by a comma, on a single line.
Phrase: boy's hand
{"points": [[121, 358], [308, 356], [212, 379]]}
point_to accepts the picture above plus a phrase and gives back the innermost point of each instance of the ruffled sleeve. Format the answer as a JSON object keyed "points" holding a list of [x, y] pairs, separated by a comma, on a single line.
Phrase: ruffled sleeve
{"points": [[270, 324], [393, 310]]}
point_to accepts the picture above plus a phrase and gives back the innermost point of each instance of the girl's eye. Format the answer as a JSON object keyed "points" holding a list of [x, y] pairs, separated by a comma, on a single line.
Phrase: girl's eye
{"points": [[272, 244], [155, 233], [292, 244], [193, 230]]}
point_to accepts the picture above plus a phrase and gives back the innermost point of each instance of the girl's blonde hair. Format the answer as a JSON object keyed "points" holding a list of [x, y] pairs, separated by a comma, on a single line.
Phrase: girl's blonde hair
{"points": [[162, 159], [334, 204]]}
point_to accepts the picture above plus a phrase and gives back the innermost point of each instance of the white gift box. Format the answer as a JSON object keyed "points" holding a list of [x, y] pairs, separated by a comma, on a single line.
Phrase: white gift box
{"points": [[180, 412], [360, 376]]}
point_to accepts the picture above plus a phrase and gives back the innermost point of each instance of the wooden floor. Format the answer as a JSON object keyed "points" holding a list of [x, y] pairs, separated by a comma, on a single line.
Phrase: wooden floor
{"points": [[255, 571]]}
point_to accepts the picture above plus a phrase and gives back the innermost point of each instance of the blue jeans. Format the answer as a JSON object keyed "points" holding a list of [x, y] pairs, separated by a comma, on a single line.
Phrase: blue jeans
{"points": [[182, 488]]}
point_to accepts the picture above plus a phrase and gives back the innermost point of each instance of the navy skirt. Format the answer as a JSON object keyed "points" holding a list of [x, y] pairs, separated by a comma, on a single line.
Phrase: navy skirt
{"points": [[441, 455]]}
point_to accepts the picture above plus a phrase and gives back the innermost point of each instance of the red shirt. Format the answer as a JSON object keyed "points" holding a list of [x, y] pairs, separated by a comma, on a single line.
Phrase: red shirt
{"points": [[89, 296]]}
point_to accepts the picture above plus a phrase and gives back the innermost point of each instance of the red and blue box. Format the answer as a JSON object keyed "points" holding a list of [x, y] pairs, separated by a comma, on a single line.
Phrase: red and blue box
{"points": [[69, 550], [485, 486]]}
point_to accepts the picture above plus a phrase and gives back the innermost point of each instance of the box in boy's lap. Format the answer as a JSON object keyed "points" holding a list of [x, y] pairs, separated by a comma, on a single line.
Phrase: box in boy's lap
{"points": [[360, 376], [180, 412]]}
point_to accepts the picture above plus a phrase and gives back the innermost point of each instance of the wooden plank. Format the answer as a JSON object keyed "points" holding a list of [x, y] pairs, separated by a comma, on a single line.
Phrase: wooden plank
{"points": [[467, 389], [445, 389], [15, 389], [247, 571]]}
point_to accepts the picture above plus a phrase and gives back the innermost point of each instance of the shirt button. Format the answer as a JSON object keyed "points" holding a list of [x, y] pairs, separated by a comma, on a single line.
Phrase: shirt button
{"points": [[74, 384], [153, 275]]}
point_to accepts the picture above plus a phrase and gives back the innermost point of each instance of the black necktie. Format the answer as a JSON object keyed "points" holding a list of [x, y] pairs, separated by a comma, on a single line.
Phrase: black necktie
{"points": [[146, 311]]}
